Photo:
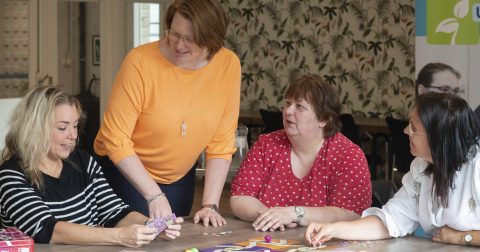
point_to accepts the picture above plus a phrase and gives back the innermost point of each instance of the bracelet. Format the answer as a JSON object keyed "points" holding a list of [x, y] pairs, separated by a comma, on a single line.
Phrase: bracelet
{"points": [[155, 197]]}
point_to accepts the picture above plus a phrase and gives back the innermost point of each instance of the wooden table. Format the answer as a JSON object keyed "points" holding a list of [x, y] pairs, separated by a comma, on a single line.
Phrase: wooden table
{"points": [[250, 117], [241, 231]]}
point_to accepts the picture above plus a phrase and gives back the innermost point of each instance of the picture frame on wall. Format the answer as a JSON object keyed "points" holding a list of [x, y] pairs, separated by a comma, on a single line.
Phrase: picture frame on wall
{"points": [[96, 50]]}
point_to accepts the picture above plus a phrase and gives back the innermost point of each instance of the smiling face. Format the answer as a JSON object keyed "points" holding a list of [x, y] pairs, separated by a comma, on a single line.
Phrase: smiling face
{"points": [[419, 146], [185, 52], [64, 132], [299, 119]]}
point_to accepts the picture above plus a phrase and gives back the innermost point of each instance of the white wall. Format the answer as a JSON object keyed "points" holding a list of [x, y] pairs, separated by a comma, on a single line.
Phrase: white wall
{"points": [[6, 108]]}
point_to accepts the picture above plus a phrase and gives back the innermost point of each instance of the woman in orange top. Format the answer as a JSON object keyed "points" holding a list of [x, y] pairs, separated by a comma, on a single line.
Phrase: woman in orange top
{"points": [[171, 100]]}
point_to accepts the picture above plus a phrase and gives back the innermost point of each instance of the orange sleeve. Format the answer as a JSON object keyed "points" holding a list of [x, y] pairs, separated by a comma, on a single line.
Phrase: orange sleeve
{"points": [[123, 109], [223, 143]]}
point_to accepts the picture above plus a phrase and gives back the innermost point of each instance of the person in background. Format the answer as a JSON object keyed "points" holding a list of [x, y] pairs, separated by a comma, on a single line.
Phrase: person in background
{"points": [[56, 193], [172, 99], [306, 172], [440, 193], [438, 77]]}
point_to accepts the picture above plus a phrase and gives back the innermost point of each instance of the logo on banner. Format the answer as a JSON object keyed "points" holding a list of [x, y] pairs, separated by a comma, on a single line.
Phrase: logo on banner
{"points": [[453, 22]]}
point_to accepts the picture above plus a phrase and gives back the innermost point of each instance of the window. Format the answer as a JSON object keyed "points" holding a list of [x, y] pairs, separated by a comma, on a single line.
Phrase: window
{"points": [[146, 22]]}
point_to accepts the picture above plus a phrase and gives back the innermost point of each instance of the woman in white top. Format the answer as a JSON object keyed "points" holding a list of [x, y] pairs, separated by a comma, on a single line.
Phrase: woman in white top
{"points": [[441, 193]]}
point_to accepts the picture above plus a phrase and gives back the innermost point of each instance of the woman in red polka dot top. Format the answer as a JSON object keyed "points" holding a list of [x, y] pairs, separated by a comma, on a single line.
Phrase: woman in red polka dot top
{"points": [[306, 172]]}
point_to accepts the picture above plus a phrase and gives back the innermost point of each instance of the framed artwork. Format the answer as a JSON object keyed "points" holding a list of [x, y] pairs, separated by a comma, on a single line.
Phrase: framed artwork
{"points": [[96, 50]]}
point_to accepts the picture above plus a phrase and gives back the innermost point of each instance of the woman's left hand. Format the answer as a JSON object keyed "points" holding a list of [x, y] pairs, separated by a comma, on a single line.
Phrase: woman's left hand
{"points": [[447, 234], [208, 215], [275, 218]]}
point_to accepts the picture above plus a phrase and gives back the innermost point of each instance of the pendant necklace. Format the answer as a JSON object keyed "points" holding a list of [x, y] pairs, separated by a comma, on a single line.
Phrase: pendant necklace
{"points": [[183, 113], [183, 125]]}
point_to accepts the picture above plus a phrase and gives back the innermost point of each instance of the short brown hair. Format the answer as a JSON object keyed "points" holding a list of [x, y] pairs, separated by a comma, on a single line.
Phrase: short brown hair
{"points": [[323, 98], [425, 76], [208, 18]]}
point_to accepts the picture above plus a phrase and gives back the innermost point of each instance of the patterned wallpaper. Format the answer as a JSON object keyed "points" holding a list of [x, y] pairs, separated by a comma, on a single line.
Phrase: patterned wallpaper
{"points": [[363, 47]]}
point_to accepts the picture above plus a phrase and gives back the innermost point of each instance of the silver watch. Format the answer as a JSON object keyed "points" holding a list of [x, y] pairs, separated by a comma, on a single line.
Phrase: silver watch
{"points": [[468, 238], [300, 212]]}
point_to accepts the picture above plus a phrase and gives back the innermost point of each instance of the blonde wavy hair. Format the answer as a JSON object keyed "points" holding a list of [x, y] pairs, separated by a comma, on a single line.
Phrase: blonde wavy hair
{"points": [[29, 137]]}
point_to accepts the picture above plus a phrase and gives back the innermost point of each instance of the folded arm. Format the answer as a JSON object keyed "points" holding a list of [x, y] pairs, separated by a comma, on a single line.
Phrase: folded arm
{"points": [[247, 208], [449, 235]]}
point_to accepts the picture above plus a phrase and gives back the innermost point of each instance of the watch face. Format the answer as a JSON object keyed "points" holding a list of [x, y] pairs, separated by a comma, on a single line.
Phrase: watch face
{"points": [[468, 237], [299, 211]]}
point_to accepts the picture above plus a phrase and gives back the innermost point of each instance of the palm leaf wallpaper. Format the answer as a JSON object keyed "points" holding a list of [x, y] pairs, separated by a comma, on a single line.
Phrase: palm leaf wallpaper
{"points": [[365, 48]]}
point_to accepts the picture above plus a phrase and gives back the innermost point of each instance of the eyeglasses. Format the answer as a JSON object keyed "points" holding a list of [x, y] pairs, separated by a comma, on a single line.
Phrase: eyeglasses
{"points": [[175, 37], [412, 132], [448, 89]]}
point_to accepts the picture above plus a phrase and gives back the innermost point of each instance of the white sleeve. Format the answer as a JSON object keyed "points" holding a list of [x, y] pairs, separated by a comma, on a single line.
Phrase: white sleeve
{"points": [[400, 213]]}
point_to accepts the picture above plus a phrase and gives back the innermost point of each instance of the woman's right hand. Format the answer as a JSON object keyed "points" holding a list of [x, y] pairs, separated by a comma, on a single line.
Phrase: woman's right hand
{"points": [[173, 230], [159, 208], [318, 233], [135, 235]]}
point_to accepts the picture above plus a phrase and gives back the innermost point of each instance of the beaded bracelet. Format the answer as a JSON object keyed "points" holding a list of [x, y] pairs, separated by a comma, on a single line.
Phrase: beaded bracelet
{"points": [[155, 197]]}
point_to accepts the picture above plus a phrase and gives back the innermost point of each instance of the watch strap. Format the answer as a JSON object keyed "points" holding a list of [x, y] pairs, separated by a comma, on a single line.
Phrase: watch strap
{"points": [[214, 207]]}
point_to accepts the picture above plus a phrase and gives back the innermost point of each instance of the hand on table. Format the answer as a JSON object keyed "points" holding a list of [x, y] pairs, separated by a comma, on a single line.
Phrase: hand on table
{"points": [[318, 233], [447, 234], [159, 208], [208, 215], [275, 218]]}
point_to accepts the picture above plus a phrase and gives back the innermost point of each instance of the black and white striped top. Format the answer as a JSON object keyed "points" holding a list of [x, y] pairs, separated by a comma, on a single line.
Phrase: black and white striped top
{"points": [[80, 195]]}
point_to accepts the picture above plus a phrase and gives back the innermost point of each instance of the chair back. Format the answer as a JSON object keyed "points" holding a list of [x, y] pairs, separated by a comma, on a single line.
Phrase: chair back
{"points": [[272, 120], [349, 128], [382, 191], [400, 144]]}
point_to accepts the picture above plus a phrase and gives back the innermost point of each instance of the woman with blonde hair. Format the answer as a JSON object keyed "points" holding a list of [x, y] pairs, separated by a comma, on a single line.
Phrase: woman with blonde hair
{"points": [[56, 193]]}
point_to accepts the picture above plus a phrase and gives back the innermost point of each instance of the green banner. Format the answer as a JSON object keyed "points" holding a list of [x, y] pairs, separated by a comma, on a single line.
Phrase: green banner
{"points": [[453, 22]]}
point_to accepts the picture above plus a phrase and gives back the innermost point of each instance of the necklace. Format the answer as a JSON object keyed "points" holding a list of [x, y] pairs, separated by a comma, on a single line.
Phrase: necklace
{"points": [[176, 68], [184, 112]]}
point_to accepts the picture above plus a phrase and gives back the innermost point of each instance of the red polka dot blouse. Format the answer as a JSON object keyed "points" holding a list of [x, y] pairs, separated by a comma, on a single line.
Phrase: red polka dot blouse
{"points": [[339, 176]]}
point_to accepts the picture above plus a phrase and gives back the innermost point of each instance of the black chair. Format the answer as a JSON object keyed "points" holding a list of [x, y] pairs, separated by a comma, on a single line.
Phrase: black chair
{"points": [[351, 131], [272, 120], [349, 128], [400, 145], [382, 191]]}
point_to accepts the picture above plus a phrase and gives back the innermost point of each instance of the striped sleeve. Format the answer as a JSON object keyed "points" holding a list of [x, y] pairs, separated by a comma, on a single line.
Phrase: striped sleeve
{"points": [[111, 209], [22, 207]]}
